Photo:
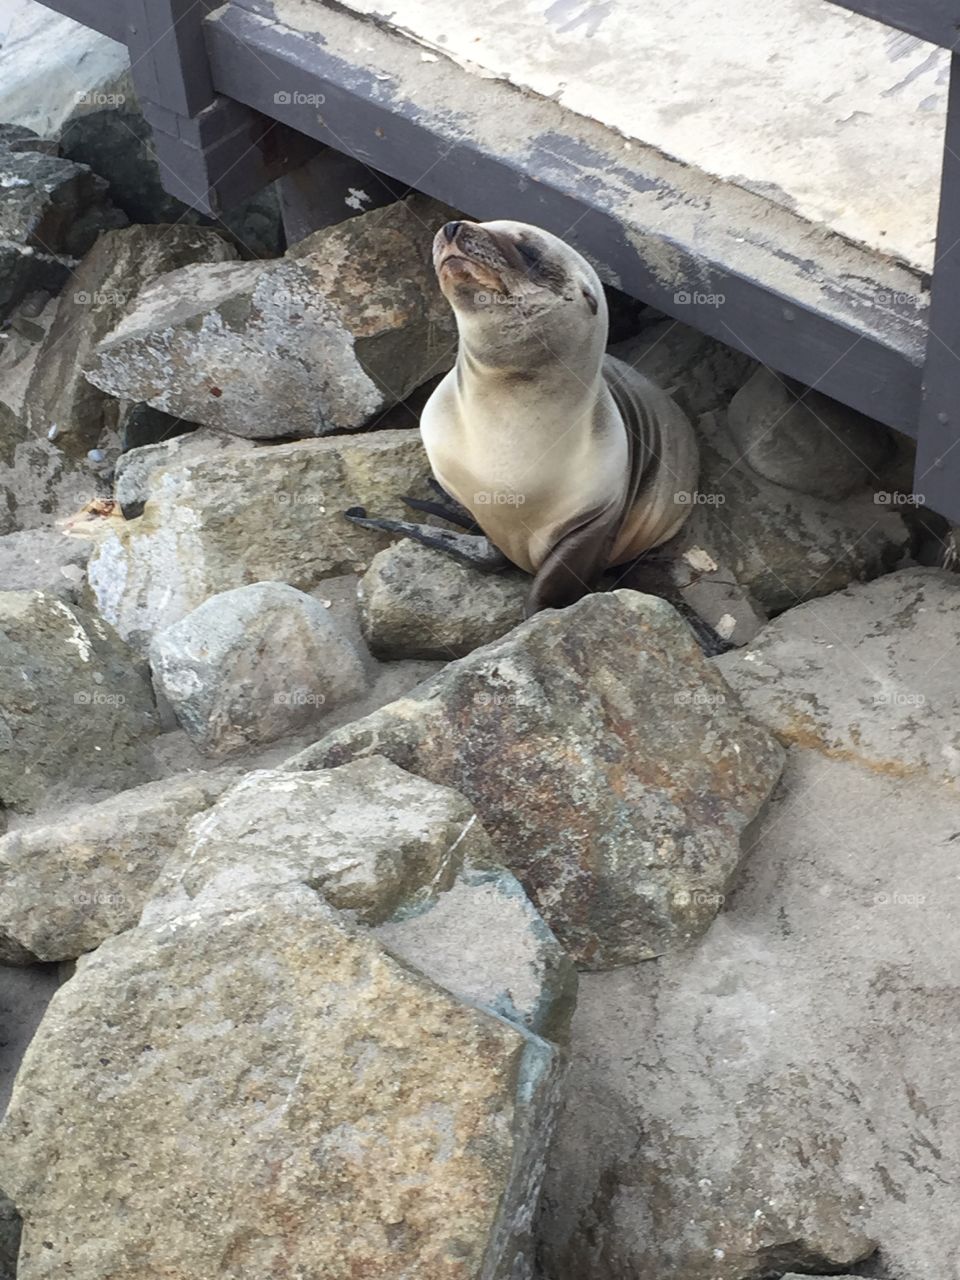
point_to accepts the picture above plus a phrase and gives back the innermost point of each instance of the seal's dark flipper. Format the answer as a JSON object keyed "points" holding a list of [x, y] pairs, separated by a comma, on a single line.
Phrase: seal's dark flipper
{"points": [[448, 510], [472, 549], [572, 568]]}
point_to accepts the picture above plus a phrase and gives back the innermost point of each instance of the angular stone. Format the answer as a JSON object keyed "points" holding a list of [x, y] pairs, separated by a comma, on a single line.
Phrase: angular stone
{"points": [[24, 270], [699, 372], [866, 675], [303, 346], [482, 939], [52, 205], [786, 547], [66, 887], [73, 707], [253, 664], [804, 440], [611, 766], [9, 1238], [416, 602], [370, 838], [213, 523], [343, 1116], [779, 1098], [131, 477], [101, 288], [43, 560]]}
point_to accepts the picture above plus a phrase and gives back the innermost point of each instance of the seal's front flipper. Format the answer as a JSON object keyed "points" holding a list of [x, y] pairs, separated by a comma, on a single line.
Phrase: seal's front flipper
{"points": [[471, 549], [447, 510], [572, 567]]}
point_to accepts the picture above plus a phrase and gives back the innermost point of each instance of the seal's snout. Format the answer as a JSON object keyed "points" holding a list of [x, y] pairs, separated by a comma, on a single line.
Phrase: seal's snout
{"points": [[449, 230]]}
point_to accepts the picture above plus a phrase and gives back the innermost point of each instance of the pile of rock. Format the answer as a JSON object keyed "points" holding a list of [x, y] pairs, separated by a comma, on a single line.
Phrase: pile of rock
{"points": [[320, 830]]}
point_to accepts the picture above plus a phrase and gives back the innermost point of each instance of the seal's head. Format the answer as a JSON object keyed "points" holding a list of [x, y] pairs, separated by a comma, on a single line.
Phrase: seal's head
{"points": [[518, 292]]}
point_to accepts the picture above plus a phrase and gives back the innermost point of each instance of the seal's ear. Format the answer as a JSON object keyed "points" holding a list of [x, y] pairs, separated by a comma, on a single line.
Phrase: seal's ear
{"points": [[591, 298]]}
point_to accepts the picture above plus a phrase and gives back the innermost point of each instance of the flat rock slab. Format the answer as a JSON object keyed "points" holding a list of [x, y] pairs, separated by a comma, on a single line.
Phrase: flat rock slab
{"points": [[66, 886], [317, 342], [369, 837], [868, 675], [74, 708], [285, 1098], [252, 665], [43, 560], [416, 602], [783, 1096], [216, 522], [610, 764]]}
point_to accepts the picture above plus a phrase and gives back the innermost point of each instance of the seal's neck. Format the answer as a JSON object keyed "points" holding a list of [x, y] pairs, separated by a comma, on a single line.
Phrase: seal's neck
{"points": [[538, 387]]}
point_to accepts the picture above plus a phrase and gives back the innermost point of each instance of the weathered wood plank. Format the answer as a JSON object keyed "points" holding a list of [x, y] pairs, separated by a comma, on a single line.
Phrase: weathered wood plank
{"points": [[712, 255], [937, 21], [937, 476]]}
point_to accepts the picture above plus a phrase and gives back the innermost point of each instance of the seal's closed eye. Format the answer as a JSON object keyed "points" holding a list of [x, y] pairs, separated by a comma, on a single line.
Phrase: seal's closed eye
{"points": [[529, 253]]}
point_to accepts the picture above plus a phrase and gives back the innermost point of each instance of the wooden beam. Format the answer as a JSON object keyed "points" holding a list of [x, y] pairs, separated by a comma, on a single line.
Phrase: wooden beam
{"points": [[167, 57], [937, 21], [937, 476], [106, 16]]}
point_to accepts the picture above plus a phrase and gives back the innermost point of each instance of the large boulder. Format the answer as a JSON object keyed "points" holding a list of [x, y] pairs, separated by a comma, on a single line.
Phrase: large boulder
{"points": [[253, 664], [613, 768], [43, 560], [282, 1096], [417, 602], [784, 546], [322, 341], [781, 1097], [801, 439], [59, 398], [699, 372], [216, 522], [66, 886], [866, 675], [74, 708]]}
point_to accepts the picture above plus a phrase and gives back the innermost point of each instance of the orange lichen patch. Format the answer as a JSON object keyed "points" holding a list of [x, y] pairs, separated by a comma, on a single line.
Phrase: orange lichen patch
{"points": [[88, 521], [801, 730]]}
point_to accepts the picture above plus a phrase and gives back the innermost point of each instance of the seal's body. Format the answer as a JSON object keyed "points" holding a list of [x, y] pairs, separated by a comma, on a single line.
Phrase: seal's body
{"points": [[569, 460]]}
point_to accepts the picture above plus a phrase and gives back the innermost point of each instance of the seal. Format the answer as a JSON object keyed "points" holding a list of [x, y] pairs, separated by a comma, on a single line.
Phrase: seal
{"points": [[569, 460]]}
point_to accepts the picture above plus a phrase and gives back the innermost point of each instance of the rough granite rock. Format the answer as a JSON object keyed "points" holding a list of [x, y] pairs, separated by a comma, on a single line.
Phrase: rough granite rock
{"points": [[804, 440], [786, 547], [285, 1098], [782, 1096], [868, 674], [101, 288], [9, 1238], [416, 602], [302, 346], [25, 270], [74, 708], [131, 477], [213, 523], [482, 939], [252, 665], [699, 372], [67, 886], [52, 206], [370, 838], [43, 560], [611, 766]]}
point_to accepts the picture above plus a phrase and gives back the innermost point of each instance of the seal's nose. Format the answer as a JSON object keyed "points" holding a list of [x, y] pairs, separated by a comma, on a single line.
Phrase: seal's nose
{"points": [[450, 230]]}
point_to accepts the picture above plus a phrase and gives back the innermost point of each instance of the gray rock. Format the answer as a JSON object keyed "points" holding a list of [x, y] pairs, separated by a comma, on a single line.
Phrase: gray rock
{"points": [[804, 440], [786, 547], [416, 602], [133, 472], [16, 137], [43, 560], [866, 675], [214, 523], [611, 766], [325, 340], [103, 286], [52, 205], [342, 1115], [66, 886], [779, 1098], [700, 373], [24, 996], [252, 665], [73, 707], [370, 838], [25, 270], [9, 1238], [483, 940]]}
